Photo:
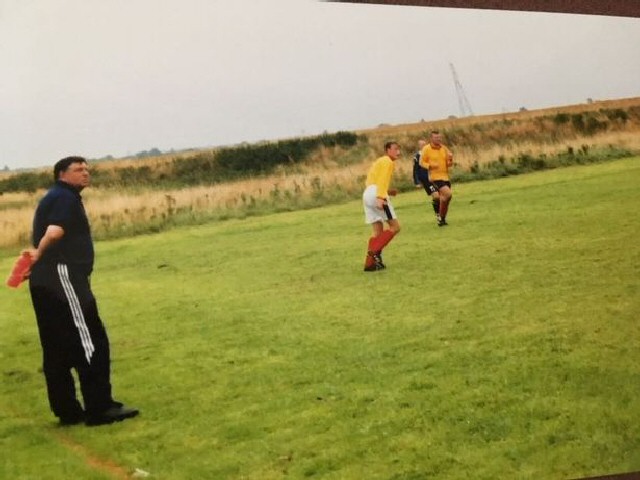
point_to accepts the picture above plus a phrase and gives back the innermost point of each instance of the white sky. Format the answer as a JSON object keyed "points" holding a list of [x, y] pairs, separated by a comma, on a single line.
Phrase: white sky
{"points": [[114, 77]]}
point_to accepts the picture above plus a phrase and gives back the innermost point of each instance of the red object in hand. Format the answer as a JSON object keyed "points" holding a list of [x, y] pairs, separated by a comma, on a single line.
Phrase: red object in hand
{"points": [[19, 271]]}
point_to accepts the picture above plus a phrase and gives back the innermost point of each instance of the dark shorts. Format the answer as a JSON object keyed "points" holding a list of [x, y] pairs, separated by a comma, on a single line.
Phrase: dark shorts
{"points": [[441, 183], [430, 188], [423, 178]]}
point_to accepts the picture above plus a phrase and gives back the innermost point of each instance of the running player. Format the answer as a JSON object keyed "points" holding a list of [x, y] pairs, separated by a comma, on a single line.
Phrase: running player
{"points": [[437, 159]]}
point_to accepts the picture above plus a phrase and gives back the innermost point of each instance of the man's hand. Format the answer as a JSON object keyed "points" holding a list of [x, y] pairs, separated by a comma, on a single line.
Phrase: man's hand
{"points": [[52, 235], [380, 203], [392, 192], [33, 253], [34, 256]]}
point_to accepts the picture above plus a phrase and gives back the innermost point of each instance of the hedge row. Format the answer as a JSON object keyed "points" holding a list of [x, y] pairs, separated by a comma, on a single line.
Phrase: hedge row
{"points": [[225, 164], [249, 160], [525, 163]]}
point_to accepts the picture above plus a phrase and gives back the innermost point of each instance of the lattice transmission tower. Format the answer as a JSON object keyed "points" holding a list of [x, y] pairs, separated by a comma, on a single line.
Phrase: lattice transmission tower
{"points": [[463, 101]]}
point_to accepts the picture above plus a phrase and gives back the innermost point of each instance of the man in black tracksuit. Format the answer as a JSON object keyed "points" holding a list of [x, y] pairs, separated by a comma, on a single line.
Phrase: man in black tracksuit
{"points": [[71, 332]]}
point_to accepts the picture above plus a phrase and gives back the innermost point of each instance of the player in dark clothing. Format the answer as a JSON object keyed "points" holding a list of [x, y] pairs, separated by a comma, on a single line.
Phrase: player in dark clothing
{"points": [[71, 332], [421, 177]]}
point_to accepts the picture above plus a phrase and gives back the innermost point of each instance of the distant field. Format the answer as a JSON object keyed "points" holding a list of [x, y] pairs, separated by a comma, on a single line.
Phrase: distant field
{"points": [[486, 137], [159, 193], [502, 346]]}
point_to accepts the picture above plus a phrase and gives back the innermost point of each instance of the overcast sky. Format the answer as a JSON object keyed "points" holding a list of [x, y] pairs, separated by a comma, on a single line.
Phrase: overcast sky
{"points": [[115, 77]]}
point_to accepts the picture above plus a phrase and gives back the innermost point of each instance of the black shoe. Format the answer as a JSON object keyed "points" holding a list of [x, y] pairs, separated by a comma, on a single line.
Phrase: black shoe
{"points": [[116, 413], [377, 256], [374, 268], [71, 420], [377, 262], [442, 222]]}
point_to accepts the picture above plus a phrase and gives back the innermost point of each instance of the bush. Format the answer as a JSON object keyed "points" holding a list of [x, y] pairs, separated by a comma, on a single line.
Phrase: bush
{"points": [[225, 164], [525, 162], [230, 163], [593, 125], [26, 182], [577, 122], [615, 114]]}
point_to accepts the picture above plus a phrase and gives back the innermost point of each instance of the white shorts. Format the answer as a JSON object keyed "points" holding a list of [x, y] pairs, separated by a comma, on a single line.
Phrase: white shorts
{"points": [[372, 213]]}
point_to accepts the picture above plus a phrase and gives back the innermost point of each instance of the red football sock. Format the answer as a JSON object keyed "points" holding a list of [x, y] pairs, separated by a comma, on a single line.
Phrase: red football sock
{"points": [[381, 240], [369, 260]]}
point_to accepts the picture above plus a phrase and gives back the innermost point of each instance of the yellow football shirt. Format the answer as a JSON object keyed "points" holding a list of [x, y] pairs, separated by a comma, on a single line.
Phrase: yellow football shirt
{"points": [[435, 160], [380, 175]]}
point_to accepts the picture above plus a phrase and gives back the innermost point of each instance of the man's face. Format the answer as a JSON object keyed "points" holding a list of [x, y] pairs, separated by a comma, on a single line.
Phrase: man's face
{"points": [[436, 139], [394, 151], [76, 175]]}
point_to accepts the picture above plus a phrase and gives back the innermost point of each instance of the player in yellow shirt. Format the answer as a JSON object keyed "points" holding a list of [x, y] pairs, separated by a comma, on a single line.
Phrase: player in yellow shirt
{"points": [[378, 208], [438, 159]]}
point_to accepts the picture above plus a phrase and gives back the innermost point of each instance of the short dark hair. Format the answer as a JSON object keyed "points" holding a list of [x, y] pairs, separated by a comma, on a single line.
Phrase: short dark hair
{"points": [[435, 132], [388, 145], [62, 165]]}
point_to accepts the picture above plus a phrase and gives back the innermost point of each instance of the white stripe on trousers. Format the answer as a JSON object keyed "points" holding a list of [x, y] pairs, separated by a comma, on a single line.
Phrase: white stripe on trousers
{"points": [[76, 311]]}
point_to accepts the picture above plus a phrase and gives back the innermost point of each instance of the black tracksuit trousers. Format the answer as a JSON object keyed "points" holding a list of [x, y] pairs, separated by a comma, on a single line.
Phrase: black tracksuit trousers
{"points": [[72, 337]]}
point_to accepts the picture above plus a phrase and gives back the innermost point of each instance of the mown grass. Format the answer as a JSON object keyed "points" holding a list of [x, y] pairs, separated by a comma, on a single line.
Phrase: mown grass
{"points": [[503, 346]]}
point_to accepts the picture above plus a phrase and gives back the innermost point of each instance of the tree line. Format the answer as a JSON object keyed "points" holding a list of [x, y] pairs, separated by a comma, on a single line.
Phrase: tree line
{"points": [[205, 168]]}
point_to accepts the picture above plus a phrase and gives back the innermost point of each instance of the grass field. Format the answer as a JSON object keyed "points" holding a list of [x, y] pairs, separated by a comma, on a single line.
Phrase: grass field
{"points": [[502, 346]]}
